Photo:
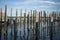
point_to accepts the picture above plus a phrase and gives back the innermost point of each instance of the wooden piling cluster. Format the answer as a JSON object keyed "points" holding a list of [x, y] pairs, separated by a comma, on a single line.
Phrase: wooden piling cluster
{"points": [[36, 20]]}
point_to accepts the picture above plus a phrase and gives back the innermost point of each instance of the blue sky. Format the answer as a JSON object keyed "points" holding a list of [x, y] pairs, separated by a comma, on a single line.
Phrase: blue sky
{"points": [[48, 5]]}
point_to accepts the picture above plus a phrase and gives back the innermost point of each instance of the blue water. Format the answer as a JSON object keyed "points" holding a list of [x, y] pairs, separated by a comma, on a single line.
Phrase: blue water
{"points": [[56, 32]]}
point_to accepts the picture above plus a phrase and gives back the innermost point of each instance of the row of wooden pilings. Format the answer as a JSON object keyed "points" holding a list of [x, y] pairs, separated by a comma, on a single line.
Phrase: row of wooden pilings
{"points": [[36, 16]]}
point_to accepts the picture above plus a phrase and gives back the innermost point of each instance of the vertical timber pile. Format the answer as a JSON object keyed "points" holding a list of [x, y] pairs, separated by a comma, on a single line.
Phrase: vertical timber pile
{"points": [[16, 24], [24, 24], [15, 27], [51, 31], [44, 30], [39, 27], [37, 20], [20, 23], [47, 20], [33, 25], [5, 24], [1, 24], [28, 26], [11, 25]]}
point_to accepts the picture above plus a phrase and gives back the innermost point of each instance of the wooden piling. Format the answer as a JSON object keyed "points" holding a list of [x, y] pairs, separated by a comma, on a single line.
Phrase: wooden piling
{"points": [[1, 24], [44, 22], [5, 29], [41, 26], [35, 12], [15, 27], [28, 26], [33, 25], [11, 24], [20, 23], [37, 25], [24, 24], [51, 25]]}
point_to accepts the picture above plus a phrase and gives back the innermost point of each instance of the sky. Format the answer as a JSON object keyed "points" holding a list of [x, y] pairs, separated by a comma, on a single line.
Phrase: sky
{"points": [[47, 5]]}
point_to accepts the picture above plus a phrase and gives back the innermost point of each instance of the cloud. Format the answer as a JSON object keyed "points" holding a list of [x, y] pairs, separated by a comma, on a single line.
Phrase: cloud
{"points": [[27, 2]]}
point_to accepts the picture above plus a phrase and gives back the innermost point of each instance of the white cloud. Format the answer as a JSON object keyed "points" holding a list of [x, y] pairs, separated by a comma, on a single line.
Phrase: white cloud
{"points": [[42, 6], [35, 2]]}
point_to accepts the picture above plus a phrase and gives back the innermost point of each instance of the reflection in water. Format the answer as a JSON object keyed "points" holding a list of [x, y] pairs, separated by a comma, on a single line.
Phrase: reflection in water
{"points": [[44, 32]]}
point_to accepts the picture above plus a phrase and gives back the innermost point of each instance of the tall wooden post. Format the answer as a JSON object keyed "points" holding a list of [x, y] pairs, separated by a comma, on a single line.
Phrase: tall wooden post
{"points": [[28, 26], [51, 31], [47, 20], [33, 24], [37, 20], [11, 25], [32, 19], [5, 29], [20, 23], [15, 27], [39, 27], [24, 24], [44, 30], [1, 24]]}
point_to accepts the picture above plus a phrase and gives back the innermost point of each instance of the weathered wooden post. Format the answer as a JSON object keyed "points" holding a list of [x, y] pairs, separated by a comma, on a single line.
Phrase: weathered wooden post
{"points": [[5, 24], [39, 27], [24, 24], [37, 20], [11, 24], [28, 26], [15, 27], [32, 19], [33, 24], [51, 31], [20, 23], [1, 24], [44, 23], [47, 20]]}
